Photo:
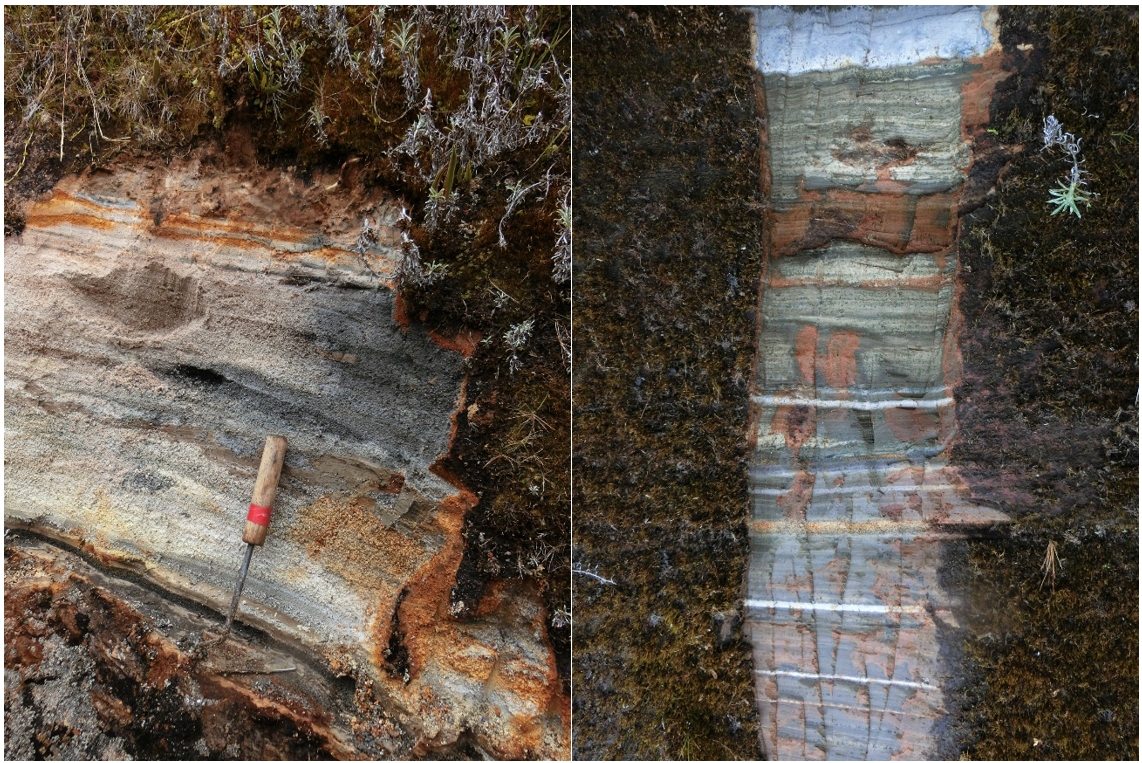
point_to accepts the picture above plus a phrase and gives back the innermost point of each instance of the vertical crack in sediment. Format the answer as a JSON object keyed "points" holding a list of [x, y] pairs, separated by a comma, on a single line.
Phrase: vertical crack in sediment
{"points": [[850, 491]]}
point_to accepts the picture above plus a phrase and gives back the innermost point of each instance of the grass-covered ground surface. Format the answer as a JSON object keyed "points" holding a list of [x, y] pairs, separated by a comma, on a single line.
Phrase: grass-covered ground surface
{"points": [[464, 113], [1047, 411], [667, 262]]}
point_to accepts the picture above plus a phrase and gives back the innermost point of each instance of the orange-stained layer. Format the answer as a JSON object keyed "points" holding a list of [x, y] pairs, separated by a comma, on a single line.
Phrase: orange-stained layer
{"points": [[805, 352], [64, 208], [426, 604], [897, 222], [464, 341], [431, 634], [47, 218]]}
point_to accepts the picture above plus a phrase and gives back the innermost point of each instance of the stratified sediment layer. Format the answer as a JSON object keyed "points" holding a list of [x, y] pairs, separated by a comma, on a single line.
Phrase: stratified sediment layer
{"points": [[853, 404], [160, 321]]}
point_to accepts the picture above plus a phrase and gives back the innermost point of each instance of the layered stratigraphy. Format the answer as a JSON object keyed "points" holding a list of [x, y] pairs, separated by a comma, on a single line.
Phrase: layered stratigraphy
{"points": [[853, 396], [160, 321]]}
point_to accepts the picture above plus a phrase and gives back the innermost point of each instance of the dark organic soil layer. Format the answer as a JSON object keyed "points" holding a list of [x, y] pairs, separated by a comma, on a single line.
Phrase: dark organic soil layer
{"points": [[87, 677], [667, 259], [1047, 410]]}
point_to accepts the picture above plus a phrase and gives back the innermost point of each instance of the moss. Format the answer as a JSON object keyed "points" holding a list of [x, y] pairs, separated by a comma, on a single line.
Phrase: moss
{"points": [[668, 257], [1047, 411], [1056, 666]]}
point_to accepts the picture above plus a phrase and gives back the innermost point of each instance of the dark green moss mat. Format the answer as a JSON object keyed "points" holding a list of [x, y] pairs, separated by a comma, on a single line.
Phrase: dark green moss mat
{"points": [[668, 258], [1047, 412]]}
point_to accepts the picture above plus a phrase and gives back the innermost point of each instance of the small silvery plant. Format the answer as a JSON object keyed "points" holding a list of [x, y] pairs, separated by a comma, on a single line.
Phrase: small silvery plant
{"points": [[516, 338], [1070, 191]]}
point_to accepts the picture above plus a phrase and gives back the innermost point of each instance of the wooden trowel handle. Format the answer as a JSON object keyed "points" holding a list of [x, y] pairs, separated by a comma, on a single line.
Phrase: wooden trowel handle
{"points": [[258, 519]]}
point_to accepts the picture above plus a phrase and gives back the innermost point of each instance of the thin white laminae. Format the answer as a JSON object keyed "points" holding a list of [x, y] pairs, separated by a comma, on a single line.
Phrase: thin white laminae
{"points": [[856, 490], [851, 708], [853, 679], [827, 606], [932, 473], [855, 405]]}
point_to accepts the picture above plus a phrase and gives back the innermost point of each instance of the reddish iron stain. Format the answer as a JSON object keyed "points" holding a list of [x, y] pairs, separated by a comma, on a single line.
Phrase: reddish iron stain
{"points": [[39, 219], [920, 283], [897, 222], [798, 423], [437, 466], [423, 613], [493, 598], [805, 351], [464, 341], [916, 503], [394, 485], [977, 93], [839, 364], [400, 314], [795, 503], [912, 424], [884, 182]]}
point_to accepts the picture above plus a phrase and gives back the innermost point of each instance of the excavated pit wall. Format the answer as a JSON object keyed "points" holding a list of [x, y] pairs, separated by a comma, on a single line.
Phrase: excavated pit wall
{"points": [[869, 117], [160, 321]]}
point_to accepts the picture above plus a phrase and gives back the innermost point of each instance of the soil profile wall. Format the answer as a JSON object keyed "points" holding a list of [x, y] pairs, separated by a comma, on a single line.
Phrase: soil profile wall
{"points": [[161, 319], [869, 118]]}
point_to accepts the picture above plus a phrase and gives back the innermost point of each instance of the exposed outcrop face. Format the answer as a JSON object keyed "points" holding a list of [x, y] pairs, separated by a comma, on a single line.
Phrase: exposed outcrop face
{"points": [[852, 497], [89, 677], [160, 321]]}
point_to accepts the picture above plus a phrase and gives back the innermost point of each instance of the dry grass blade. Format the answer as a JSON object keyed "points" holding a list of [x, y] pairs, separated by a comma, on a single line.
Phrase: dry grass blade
{"points": [[1051, 564]]}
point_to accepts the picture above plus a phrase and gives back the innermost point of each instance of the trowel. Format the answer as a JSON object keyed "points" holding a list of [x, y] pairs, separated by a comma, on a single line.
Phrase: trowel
{"points": [[257, 525]]}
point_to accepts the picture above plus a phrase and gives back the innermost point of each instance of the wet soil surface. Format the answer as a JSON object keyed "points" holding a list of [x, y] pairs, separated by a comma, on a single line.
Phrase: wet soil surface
{"points": [[1047, 411], [667, 262]]}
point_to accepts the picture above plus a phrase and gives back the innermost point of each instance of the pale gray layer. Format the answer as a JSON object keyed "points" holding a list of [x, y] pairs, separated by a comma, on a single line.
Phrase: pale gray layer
{"points": [[840, 129], [140, 386], [901, 333], [797, 40]]}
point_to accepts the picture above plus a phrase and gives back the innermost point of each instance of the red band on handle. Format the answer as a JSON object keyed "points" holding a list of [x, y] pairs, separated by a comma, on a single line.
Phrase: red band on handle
{"points": [[259, 515]]}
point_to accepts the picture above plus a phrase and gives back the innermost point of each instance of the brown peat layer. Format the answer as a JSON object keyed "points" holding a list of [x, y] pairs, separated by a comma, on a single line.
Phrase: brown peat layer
{"points": [[1047, 410], [667, 261]]}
